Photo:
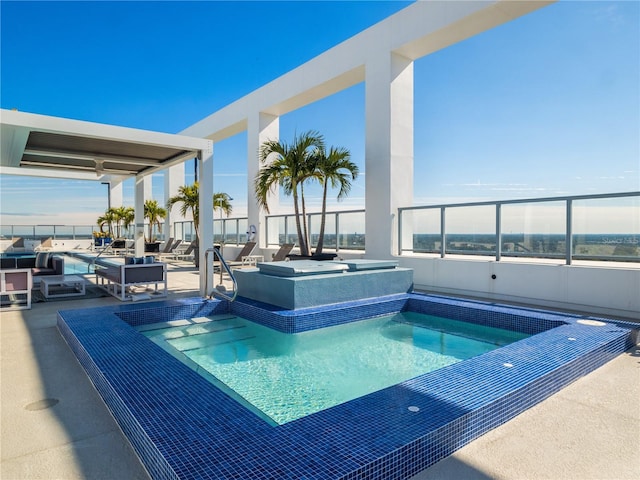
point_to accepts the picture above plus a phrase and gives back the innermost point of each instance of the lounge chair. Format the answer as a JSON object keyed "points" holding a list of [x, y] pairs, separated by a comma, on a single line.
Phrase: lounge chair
{"points": [[242, 259], [168, 246], [168, 252], [281, 255], [122, 246], [186, 254]]}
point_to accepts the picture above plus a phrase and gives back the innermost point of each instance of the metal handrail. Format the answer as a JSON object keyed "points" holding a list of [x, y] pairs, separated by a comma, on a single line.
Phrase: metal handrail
{"points": [[95, 259], [217, 291]]}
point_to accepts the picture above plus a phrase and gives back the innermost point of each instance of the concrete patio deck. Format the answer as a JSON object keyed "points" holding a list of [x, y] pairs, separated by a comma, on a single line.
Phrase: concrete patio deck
{"points": [[589, 430]]}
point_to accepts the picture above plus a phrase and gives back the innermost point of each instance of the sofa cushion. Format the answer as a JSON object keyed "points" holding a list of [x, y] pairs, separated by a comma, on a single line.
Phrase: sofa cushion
{"points": [[26, 262], [7, 263], [56, 264], [134, 260], [42, 260], [42, 271]]}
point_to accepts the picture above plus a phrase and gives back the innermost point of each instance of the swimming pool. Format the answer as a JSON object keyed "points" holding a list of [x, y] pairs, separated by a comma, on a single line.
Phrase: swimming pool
{"points": [[181, 426], [283, 376]]}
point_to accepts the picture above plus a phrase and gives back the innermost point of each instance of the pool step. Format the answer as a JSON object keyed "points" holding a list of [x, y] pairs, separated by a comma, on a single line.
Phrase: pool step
{"points": [[186, 322], [212, 338]]}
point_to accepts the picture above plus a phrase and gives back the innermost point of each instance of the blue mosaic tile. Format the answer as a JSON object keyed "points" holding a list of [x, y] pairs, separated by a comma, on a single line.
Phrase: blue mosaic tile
{"points": [[183, 427]]}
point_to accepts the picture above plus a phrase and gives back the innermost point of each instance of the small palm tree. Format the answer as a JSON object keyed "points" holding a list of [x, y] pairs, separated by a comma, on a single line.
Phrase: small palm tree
{"points": [[188, 196], [124, 217], [290, 165], [153, 212], [118, 216], [222, 202], [336, 170], [108, 219]]}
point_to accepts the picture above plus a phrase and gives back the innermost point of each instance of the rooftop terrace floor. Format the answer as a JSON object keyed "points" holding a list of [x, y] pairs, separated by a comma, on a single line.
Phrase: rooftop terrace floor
{"points": [[589, 430]]}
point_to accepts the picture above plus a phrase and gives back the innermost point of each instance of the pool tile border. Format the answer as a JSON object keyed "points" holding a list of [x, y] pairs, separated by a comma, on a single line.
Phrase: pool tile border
{"points": [[182, 427]]}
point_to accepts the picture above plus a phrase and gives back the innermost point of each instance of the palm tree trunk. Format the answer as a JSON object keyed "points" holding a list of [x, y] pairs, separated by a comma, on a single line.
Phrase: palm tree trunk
{"points": [[305, 229], [322, 219], [304, 250]]}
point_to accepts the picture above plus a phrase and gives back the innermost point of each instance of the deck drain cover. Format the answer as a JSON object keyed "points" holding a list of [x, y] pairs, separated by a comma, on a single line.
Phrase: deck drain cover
{"points": [[42, 404]]}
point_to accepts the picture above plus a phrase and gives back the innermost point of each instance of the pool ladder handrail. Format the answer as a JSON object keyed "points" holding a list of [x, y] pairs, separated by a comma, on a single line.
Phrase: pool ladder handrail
{"points": [[223, 264], [95, 259]]}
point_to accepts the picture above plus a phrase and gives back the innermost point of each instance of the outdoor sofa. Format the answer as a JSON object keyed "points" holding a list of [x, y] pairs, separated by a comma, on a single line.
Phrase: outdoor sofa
{"points": [[119, 280], [43, 263]]}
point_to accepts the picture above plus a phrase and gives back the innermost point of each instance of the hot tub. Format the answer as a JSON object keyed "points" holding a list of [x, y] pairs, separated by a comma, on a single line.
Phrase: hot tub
{"points": [[309, 283]]}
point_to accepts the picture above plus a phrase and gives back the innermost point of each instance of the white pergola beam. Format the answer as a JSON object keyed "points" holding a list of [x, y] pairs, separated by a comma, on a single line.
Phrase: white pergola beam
{"points": [[381, 56]]}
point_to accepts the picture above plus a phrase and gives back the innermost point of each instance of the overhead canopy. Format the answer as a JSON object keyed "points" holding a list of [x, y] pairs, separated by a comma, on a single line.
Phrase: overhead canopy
{"points": [[42, 146]]}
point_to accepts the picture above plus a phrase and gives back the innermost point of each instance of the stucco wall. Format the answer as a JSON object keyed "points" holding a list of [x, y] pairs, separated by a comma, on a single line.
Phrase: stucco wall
{"points": [[606, 289]]}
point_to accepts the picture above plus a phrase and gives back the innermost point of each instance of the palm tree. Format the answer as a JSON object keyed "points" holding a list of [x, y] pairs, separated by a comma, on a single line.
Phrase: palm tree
{"points": [[335, 170], [123, 216], [188, 196], [107, 219], [154, 213], [290, 166], [222, 202], [120, 216]]}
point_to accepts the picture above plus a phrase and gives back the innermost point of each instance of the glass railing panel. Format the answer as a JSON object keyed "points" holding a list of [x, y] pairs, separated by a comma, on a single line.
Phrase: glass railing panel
{"points": [[83, 231], [313, 224], [62, 232], [218, 231], [351, 230], [606, 229], [24, 231], [536, 229], [275, 230], [424, 229], [43, 231], [470, 230], [231, 232], [178, 230], [290, 231], [330, 237], [243, 229]]}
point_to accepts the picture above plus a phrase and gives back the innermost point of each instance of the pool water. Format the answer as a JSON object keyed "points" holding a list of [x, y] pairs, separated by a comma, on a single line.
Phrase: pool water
{"points": [[76, 266], [288, 376]]}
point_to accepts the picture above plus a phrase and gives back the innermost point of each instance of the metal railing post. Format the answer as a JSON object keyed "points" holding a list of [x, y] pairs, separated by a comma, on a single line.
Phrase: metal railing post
{"points": [[498, 232], [337, 227], [400, 211], [443, 236], [569, 232]]}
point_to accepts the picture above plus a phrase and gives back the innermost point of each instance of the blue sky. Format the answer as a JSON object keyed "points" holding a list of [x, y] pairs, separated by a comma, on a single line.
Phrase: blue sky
{"points": [[546, 105]]}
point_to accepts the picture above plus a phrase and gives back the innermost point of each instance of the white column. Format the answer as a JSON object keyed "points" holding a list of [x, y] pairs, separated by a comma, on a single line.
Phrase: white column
{"points": [[115, 192], [148, 187], [173, 180], [205, 167], [388, 149], [138, 205], [261, 127]]}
